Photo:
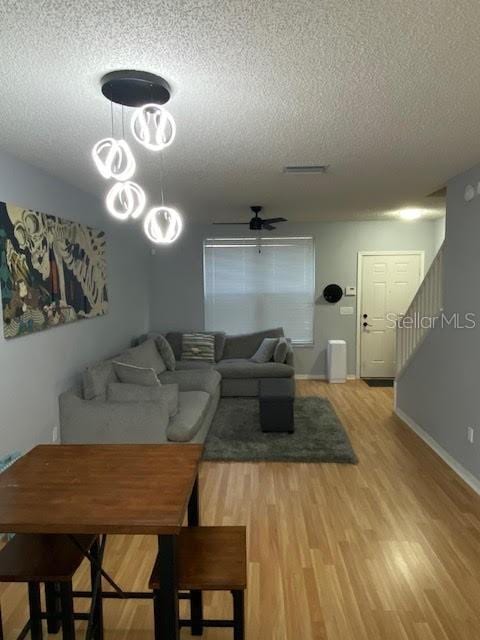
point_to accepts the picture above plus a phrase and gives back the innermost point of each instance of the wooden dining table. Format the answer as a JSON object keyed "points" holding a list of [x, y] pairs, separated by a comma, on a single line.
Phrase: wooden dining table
{"points": [[109, 489]]}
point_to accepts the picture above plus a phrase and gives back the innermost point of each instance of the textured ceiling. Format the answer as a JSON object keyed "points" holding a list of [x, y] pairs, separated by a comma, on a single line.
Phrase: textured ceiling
{"points": [[386, 92]]}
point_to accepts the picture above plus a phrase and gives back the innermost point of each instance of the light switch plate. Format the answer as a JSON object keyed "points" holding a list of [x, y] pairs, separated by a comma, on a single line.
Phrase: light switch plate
{"points": [[350, 291], [346, 311]]}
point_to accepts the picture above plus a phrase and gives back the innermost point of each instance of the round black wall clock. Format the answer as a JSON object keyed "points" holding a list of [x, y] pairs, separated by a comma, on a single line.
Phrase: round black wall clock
{"points": [[332, 293]]}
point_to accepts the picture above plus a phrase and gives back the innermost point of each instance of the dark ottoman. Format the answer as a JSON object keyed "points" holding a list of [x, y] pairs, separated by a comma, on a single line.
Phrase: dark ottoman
{"points": [[277, 396]]}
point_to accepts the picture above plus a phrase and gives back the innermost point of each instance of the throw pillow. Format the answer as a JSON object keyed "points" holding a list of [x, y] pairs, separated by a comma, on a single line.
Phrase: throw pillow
{"points": [[131, 374], [146, 355], [198, 346], [281, 350], [265, 350], [96, 379], [166, 352], [168, 394]]}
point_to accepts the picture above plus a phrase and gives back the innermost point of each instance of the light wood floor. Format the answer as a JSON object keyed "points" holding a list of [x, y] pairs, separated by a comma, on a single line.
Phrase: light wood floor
{"points": [[388, 549]]}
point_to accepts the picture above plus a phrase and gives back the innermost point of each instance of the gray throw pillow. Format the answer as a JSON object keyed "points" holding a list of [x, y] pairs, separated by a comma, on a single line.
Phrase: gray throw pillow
{"points": [[168, 394], [265, 350], [198, 346], [146, 355], [281, 350], [131, 374], [166, 352], [96, 379]]}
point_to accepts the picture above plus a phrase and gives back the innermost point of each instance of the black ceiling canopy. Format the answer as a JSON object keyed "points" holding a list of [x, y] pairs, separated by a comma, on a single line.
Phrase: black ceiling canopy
{"points": [[135, 88]]}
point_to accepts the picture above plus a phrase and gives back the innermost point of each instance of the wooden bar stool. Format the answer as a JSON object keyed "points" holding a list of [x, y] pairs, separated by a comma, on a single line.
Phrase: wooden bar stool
{"points": [[52, 560], [210, 559]]}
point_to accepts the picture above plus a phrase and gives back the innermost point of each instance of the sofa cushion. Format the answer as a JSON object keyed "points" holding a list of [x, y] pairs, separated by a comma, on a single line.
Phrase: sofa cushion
{"points": [[169, 394], [175, 340], [146, 355], [198, 346], [265, 351], [188, 365], [131, 374], [96, 379], [204, 380], [281, 350], [245, 345], [192, 407], [166, 393], [166, 352], [245, 368]]}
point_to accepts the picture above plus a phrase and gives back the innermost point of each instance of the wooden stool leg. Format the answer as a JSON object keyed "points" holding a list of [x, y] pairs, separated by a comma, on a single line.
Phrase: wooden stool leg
{"points": [[52, 601], [196, 613], [35, 611], [238, 615], [157, 614], [98, 621], [68, 622]]}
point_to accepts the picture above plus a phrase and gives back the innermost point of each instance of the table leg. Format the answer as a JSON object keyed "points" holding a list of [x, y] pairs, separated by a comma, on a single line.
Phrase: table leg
{"points": [[166, 598], [196, 597]]}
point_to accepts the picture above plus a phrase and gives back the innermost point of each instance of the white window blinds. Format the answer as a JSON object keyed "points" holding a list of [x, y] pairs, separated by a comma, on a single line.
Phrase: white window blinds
{"points": [[250, 290]]}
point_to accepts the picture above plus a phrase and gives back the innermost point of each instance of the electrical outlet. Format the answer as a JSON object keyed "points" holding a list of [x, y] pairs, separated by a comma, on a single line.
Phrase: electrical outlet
{"points": [[470, 434], [54, 434]]}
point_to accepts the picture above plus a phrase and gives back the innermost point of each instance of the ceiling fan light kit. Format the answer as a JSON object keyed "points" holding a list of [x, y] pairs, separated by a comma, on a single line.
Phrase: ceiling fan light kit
{"points": [[154, 128]]}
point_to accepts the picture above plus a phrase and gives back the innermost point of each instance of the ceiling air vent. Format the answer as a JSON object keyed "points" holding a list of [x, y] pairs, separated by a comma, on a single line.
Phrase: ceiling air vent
{"points": [[306, 168]]}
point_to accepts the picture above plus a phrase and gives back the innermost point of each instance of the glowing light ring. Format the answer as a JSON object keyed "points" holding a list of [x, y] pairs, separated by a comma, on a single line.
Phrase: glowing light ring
{"points": [[153, 127], [114, 159], [163, 225], [126, 200]]}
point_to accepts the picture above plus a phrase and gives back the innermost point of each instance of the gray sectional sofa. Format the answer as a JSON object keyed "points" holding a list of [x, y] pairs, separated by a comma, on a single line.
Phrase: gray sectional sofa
{"points": [[88, 414]]}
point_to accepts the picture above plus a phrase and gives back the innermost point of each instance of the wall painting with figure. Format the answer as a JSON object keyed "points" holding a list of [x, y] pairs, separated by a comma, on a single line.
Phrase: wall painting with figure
{"points": [[52, 271]]}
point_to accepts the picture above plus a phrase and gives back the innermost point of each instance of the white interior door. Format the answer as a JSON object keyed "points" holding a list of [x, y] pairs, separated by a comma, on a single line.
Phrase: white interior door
{"points": [[389, 283]]}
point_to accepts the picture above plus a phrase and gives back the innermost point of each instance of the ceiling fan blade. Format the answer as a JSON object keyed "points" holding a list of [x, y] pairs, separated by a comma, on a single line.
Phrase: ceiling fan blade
{"points": [[275, 220], [268, 226], [230, 223]]}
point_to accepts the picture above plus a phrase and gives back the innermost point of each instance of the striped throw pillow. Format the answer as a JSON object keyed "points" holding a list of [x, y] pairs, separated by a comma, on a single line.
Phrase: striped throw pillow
{"points": [[198, 346]]}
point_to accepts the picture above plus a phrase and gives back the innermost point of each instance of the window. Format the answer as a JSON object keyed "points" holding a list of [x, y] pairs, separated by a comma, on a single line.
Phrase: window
{"points": [[253, 284]]}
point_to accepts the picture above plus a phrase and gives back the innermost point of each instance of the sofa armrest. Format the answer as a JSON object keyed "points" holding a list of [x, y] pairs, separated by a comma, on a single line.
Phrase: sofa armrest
{"points": [[290, 357], [98, 421], [193, 379]]}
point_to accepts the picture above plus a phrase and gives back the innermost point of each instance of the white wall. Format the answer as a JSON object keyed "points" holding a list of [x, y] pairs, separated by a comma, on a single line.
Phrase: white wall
{"points": [[439, 390], [36, 368], [177, 276]]}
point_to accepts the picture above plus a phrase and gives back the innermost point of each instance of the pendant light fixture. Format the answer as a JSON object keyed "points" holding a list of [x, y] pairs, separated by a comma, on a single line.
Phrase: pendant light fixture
{"points": [[154, 128], [114, 159], [126, 200], [163, 225]]}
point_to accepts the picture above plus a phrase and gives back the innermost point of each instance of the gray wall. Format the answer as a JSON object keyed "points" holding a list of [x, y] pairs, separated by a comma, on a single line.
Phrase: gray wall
{"points": [[36, 368], [440, 388], [177, 276]]}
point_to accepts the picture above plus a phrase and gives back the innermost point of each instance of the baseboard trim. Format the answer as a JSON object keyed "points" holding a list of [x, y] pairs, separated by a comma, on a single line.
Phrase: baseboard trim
{"points": [[465, 475], [308, 376]]}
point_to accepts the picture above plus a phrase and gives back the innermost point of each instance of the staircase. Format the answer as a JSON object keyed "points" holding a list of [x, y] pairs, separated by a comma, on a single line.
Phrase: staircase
{"points": [[425, 306]]}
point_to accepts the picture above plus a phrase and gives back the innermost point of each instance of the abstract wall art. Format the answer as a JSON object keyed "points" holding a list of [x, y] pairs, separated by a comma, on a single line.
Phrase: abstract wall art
{"points": [[52, 271]]}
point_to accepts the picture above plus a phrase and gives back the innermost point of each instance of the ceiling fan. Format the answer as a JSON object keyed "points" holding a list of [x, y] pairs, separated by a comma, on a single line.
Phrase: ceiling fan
{"points": [[257, 223]]}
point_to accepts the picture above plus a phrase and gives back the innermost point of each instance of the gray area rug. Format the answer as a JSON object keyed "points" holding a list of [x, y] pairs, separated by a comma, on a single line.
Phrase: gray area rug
{"points": [[319, 436]]}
